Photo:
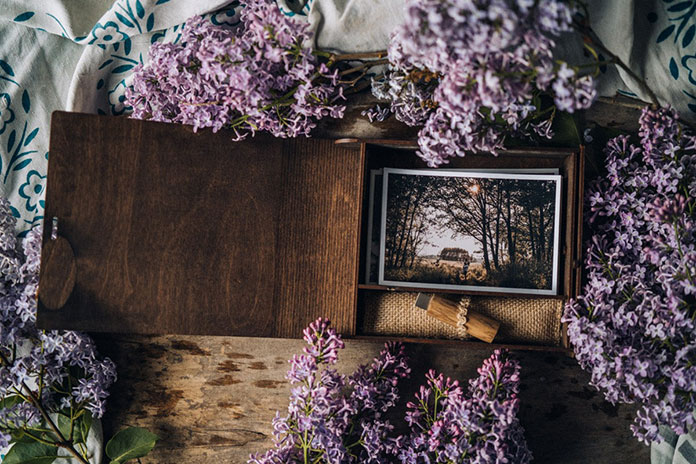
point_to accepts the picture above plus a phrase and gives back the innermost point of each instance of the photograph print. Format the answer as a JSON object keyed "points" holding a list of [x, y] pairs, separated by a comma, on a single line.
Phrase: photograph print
{"points": [[476, 231]]}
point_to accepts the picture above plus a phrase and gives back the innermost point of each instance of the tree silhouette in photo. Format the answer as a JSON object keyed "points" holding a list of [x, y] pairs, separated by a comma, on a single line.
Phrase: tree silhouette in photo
{"points": [[510, 220]]}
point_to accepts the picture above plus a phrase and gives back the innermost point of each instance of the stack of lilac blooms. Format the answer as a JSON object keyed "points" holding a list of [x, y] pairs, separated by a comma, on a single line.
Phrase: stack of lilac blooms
{"points": [[634, 325], [35, 362], [335, 419], [472, 72], [254, 77]]}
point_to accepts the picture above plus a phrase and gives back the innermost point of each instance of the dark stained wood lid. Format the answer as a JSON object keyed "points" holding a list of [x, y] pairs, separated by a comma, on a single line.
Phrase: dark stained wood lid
{"points": [[191, 233]]}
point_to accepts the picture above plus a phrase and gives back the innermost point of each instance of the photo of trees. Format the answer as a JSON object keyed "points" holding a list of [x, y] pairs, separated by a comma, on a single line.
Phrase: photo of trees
{"points": [[470, 230]]}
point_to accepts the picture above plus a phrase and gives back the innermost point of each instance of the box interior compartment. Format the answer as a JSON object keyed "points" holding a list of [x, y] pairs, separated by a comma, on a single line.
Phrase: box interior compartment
{"points": [[533, 321]]}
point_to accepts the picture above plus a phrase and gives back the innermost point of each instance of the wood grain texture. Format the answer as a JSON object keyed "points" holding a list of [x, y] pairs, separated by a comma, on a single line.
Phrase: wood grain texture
{"points": [[176, 232], [58, 260], [444, 310], [482, 327], [319, 222], [212, 399]]}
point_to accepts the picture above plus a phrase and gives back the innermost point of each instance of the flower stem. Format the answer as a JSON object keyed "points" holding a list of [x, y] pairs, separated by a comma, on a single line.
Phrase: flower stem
{"points": [[362, 66], [356, 56], [591, 38], [33, 399]]}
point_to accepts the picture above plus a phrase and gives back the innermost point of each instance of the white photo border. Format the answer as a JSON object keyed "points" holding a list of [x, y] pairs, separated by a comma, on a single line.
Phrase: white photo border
{"points": [[481, 174]]}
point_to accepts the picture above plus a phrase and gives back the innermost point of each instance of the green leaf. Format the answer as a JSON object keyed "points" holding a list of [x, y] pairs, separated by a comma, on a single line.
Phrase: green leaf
{"points": [[679, 6], [31, 136], [121, 69], [83, 426], [11, 140], [689, 36], [130, 443], [22, 165], [665, 34], [12, 400], [565, 130], [64, 425], [673, 68], [31, 453], [124, 20]]}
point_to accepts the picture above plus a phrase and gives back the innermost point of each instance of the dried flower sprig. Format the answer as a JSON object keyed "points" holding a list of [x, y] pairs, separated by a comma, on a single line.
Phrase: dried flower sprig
{"points": [[473, 73], [257, 76], [633, 328]]}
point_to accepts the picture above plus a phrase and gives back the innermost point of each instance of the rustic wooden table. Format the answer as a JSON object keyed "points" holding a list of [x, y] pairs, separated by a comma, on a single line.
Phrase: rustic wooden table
{"points": [[212, 399]]}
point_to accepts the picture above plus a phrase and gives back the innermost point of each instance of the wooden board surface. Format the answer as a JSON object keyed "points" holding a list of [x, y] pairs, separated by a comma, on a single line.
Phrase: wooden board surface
{"points": [[212, 399], [176, 232]]}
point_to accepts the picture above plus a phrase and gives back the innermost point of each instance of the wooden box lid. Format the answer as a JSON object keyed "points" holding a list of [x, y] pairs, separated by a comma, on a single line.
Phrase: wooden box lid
{"points": [[191, 233]]}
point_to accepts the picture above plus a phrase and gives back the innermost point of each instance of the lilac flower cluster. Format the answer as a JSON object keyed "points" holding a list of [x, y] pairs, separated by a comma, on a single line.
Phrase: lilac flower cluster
{"points": [[338, 420], [633, 326], [332, 418], [60, 371], [253, 77], [480, 426], [472, 72]]}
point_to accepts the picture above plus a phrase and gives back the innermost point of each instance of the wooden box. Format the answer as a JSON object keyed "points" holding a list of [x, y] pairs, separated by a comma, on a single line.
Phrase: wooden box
{"points": [[180, 232]]}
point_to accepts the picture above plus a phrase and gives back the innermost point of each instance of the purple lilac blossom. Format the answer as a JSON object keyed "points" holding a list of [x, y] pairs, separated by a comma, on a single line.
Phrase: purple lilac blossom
{"points": [[256, 76], [480, 426], [633, 325], [471, 72], [333, 418], [28, 354], [337, 419]]}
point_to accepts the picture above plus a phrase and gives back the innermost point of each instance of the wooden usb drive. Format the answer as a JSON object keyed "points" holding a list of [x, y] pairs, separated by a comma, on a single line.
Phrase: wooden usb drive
{"points": [[457, 315]]}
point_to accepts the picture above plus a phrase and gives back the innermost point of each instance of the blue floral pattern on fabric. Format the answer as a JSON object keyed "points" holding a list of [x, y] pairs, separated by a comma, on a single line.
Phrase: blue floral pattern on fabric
{"points": [[228, 16], [32, 190], [681, 31], [107, 33], [294, 7], [125, 19], [16, 140], [6, 113]]}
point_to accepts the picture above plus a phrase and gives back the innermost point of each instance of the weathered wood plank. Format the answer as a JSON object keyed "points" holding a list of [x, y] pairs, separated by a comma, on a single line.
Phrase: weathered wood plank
{"points": [[617, 113], [212, 399]]}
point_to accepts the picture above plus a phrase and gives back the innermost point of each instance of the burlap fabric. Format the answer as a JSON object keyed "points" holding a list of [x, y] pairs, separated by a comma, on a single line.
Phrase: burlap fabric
{"points": [[522, 320]]}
